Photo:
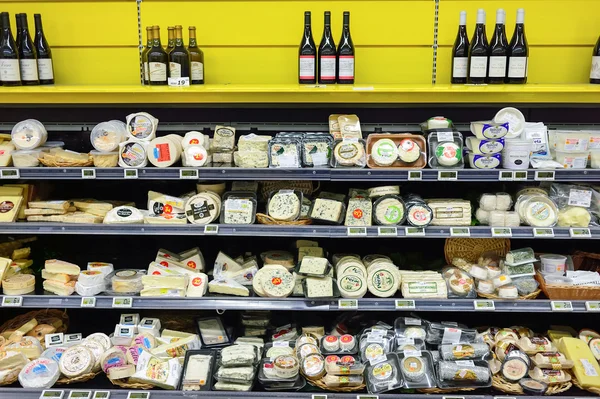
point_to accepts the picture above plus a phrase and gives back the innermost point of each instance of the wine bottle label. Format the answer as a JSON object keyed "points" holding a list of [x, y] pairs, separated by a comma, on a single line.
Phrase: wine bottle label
{"points": [[197, 70], [346, 67], [174, 70], [29, 70], [146, 71], [478, 67], [9, 71], [327, 67], [595, 71], [460, 65], [158, 72], [307, 67], [45, 68], [497, 67], [517, 67]]}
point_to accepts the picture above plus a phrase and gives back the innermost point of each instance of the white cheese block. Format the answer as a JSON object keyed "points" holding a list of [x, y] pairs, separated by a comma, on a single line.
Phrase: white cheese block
{"points": [[197, 286], [59, 266], [195, 155], [318, 287], [178, 282], [383, 280], [11, 359], [90, 277], [284, 205], [147, 371], [251, 159], [278, 283], [76, 361], [194, 138], [227, 288], [89, 290], [119, 373], [39, 374], [224, 138], [163, 152], [327, 210], [124, 215], [311, 265]]}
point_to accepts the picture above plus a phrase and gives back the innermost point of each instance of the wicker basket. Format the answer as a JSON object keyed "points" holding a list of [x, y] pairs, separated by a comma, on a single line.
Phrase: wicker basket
{"points": [[595, 391], [586, 261], [54, 317], [321, 384], [266, 219], [81, 378], [533, 295], [441, 391], [512, 388], [124, 383], [470, 249], [570, 292], [305, 186]]}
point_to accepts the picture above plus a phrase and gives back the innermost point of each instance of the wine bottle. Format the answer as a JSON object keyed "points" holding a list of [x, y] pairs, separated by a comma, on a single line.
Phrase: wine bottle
{"points": [[158, 60], [149, 42], [307, 54], [10, 73], [327, 54], [44, 53], [179, 65], [171, 39], [19, 30], [478, 52], [196, 58], [345, 54], [518, 52], [498, 50], [27, 56], [595, 70], [460, 52]]}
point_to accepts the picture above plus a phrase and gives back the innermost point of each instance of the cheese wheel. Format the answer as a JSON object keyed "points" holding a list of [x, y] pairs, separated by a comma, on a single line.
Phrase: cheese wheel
{"points": [[193, 138], [163, 152], [97, 350], [349, 153], [76, 361], [124, 215], [141, 126], [352, 286], [133, 154], [113, 357], [409, 151], [177, 140], [278, 283], [101, 339], [118, 373], [90, 277], [203, 208], [261, 275], [448, 154], [384, 152], [19, 285], [40, 373], [195, 155], [383, 280]]}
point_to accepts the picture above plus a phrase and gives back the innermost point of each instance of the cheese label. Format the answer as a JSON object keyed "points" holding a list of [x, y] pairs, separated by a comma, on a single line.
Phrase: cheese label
{"points": [[519, 175], [211, 229], [484, 305], [405, 304], [592, 306], [347, 304], [319, 397], [580, 233], [10, 174], [88, 302], [561, 306], [52, 394], [80, 395], [448, 175], [122, 302], [414, 231], [12, 301]]}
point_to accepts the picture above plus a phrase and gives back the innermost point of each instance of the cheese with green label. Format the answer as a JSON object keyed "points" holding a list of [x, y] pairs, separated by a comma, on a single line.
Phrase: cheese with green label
{"points": [[352, 286], [383, 280]]}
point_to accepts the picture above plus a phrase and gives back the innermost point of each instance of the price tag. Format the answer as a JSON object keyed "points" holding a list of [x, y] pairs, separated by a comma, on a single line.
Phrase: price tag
{"points": [[138, 395], [520, 175], [72, 339], [56, 339], [347, 304], [501, 232], [12, 301], [357, 231], [405, 304], [414, 231], [51, 394], [367, 88], [387, 231], [10, 174], [179, 82], [460, 232], [211, 229], [543, 233], [580, 233], [122, 302], [88, 173], [541, 175], [130, 173], [484, 305], [447, 175], [188, 174], [88, 302], [367, 397], [445, 136], [561, 306], [415, 175], [506, 175], [319, 397], [592, 306], [80, 395], [101, 395]]}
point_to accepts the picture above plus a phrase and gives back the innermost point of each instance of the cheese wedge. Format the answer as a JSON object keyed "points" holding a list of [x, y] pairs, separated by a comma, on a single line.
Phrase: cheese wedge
{"points": [[64, 205], [9, 208], [58, 288], [4, 264], [86, 205], [59, 266], [60, 277], [43, 212], [21, 253], [178, 282]]}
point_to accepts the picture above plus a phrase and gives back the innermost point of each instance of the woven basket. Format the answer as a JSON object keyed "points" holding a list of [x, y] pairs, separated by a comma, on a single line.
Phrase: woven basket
{"points": [[512, 388], [46, 316], [124, 383], [321, 384], [81, 378], [586, 261], [441, 391], [266, 219], [305, 186], [560, 291], [533, 295], [470, 249], [578, 385]]}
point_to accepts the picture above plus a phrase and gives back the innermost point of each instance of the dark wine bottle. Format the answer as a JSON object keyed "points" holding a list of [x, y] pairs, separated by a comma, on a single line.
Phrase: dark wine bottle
{"points": [[478, 52], [27, 56], [595, 70], [307, 54], [149, 42], [10, 73], [158, 61], [498, 51], [179, 65], [197, 58], [518, 52], [171, 39], [345, 54], [19, 30], [327, 54], [460, 52], [44, 53]]}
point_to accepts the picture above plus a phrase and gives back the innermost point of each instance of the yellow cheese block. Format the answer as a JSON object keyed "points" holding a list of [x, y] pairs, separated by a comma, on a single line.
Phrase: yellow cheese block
{"points": [[58, 288], [50, 204], [4, 264], [586, 367], [21, 253], [59, 266], [9, 207], [27, 195], [61, 277]]}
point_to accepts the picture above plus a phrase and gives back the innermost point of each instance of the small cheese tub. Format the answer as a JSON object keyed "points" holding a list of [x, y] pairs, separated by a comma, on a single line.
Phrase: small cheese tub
{"points": [[26, 158], [105, 159], [484, 146], [489, 129], [516, 153], [484, 161], [572, 160]]}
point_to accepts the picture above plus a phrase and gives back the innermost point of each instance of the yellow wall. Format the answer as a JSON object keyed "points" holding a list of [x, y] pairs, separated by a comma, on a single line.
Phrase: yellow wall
{"points": [[256, 42]]}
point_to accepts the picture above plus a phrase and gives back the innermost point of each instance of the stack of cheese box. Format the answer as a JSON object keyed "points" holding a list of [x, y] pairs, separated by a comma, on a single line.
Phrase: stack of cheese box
{"points": [[222, 145], [253, 151], [60, 277], [16, 277], [176, 274], [92, 281], [237, 367]]}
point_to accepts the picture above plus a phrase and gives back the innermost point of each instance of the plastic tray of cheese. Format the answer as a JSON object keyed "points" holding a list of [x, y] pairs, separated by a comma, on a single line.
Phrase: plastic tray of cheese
{"points": [[401, 140]]}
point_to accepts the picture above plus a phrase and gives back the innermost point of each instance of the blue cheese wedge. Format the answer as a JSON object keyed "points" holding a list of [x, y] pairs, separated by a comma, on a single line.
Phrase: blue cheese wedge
{"points": [[318, 287], [284, 205], [359, 212], [327, 210], [313, 266]]}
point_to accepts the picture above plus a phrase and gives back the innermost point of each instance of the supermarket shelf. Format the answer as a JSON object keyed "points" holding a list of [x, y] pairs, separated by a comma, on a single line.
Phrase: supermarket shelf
{"points": [[285, 231], [232, 173], [299, 304], [316, 94]]}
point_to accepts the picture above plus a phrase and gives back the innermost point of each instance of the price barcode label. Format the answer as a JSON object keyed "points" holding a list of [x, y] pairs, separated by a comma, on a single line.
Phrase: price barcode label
{"points": [[484, 305], [543, 232], [188, 174], [347, 304], [561, 306], [122, 302], [414, 231], [211, 229], [544, 175], [447, 175], [592, 306], [10, 174], [88, 173], [130, 173], [387, 231], [520, 175], [101, 395], [12, 301], [138, 395], [80, 395], [179, 82], [405, 304], [357, 231], [460, 232], [52, 394], [88, 302], [319, 397], [505, 175], [580, 233], [501, 232], [415, 175]]}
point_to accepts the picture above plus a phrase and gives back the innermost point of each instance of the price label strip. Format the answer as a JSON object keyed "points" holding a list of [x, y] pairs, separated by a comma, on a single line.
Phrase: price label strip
{"points": [[347, 304], [130, 173], [367, 397], [484, 305], [387, 231], [122, 302], [191, 174], [592, 306], [101, 395], [580, 233], [561, 306], [179, 82], [505, 175], [88, 173], [138, 395], [415, 175], [52, 394], [414, 231], [319, 397], [12, 301], [357, 231], [520, 175], [544, 175], [80, 395], [460, 232], [10, 174], [543, 233], [405, 304], [88, 302]]}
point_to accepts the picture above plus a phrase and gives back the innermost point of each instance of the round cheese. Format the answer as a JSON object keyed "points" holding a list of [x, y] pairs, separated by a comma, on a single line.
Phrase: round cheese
{"points": [[97, 350], [349, 153], [485, 287], [283, 258], [107, 136], [278, 283], [409, 151], [203, 208], [352, 267], [145, 340], [89, 290], [133, 354], [195, 155], [118, 373], [90, 277], [113, 357], [40, 373], [261, 275], [384, 152], [76, 361], [101, 339], [540, 211], [54, 353], [448, 154], [383, 280], [389, 210], [163, 152], [177, 140], [352, 286], [133, 154], [284, 205], [124, 215], [419, 215], [29, 134], [413, 368], [460, 283], [193, 138], [19, 284], [142, 126]]}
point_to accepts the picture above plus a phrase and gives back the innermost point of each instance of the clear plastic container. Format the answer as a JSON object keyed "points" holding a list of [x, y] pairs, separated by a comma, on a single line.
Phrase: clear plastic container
{"points": [[328, 211], [133, 154], [516, 154], [384, 374], [349, 153], [417, 369], [191, 380], [107, 136], [29, 134], [49, 145], [285, 153], [239, 207], [458, 375], [572, 141], [26, 158], [141, 126], [460, 284], [445, 150], [105, 159], [316, 151], [572, 160], [389, 210], [126, 281], [514, 118], [489, 129], [520, 256]]}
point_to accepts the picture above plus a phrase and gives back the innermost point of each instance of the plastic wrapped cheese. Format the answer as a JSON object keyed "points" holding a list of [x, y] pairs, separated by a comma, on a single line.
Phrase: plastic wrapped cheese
{"points": [[163, 152], [142, 126], [89, 290], [124, 215], [107, 136], [195, 155], [29, 134], [133, 154]]}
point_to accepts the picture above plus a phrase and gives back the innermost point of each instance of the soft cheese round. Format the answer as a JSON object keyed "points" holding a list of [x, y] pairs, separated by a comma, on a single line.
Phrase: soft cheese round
{"points": [[352, 286], [100, 338], [142, 126], [278, 283], [202, 208], [349, 153], [39, 373], [389, 210], [76, 361], [448, 154], [284, 205], [97, 350], [113, 357], [384, 152], [261, 275], [383, 280], [409, 151]]}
